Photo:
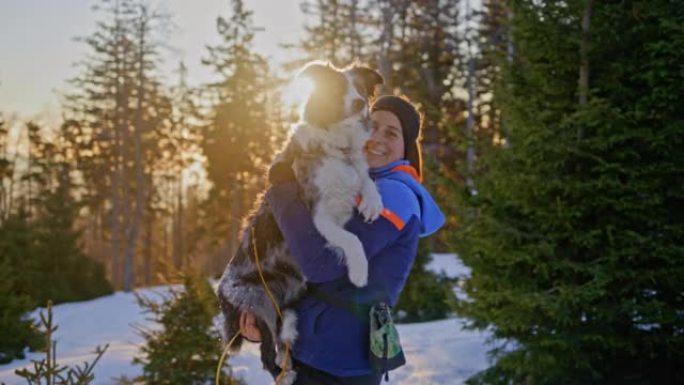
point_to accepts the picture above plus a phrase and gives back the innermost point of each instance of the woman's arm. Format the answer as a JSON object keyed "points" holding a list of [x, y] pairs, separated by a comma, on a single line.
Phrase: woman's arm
{"points": [[317, 260]]}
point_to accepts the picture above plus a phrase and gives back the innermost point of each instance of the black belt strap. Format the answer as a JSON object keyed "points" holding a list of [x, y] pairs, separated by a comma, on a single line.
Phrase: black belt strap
{"points": [[362, 311]]}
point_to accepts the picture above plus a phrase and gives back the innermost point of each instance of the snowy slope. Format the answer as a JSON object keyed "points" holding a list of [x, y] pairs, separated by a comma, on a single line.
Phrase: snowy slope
{"points": [[437, 352]]}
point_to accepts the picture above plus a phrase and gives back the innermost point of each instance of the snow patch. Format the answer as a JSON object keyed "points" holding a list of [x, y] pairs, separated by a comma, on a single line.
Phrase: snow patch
{"points": [[438, 352]]}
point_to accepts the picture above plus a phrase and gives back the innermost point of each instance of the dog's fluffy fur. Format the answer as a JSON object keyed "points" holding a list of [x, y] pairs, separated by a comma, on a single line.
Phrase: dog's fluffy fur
{"points": [[326, 151]]}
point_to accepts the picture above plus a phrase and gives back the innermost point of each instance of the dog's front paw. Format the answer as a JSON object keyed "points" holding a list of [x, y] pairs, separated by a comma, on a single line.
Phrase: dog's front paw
{"points": [[358, 273], [371, 203]]}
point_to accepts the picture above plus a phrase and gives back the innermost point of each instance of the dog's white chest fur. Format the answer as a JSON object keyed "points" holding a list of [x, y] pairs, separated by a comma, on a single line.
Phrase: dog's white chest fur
{"points": [[340, 178], [338, 183]]}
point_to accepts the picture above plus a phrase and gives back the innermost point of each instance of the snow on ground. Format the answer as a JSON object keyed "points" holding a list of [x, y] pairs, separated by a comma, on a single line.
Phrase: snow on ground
{"points": [[437, 352], [448, 264], [452, 267]]}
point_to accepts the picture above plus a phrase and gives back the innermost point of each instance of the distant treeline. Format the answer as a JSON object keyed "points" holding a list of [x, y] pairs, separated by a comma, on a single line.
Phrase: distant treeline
{"points": [[553, 141]]}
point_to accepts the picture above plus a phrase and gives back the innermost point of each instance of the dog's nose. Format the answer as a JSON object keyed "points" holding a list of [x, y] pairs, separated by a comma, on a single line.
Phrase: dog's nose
{"points": [[358, 105]]}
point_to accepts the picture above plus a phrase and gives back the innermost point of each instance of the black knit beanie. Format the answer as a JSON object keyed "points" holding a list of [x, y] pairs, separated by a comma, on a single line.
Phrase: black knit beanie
{"points": [[410, 126]]}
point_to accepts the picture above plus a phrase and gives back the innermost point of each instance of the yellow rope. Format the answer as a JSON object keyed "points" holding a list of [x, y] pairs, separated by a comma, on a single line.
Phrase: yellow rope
{"points": [[280, 315], [263, 280], [275, 304], [223, 358]]}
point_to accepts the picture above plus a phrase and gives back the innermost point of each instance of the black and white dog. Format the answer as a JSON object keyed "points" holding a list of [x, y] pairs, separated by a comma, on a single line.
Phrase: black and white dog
{"points": [[326, 151]]}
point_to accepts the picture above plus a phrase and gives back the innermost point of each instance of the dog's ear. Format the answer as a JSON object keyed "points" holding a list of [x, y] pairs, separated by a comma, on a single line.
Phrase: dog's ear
{"points": [[369, 78], [324, 105], [315, 70]]}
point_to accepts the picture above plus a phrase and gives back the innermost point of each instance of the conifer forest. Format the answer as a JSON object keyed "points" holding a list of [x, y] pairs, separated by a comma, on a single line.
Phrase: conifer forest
{"points": [[553, 141]]}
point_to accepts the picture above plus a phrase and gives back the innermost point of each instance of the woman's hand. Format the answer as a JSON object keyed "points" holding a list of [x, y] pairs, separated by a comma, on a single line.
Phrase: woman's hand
{"points": [[249, 328]]}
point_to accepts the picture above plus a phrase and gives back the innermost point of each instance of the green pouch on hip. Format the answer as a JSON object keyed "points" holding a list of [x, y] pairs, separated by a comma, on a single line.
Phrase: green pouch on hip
{"points": [[385, 348]]}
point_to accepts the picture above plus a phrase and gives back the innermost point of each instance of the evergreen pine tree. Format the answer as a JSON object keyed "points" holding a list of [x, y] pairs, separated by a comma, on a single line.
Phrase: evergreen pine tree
{"points": [[49, 371], [186, 350], [54, 266], [572, 236], [119, 110], [16, 331], [40, 253], [6, 171], [66, 273], [427, 296], [241, 135], [337, 32]]}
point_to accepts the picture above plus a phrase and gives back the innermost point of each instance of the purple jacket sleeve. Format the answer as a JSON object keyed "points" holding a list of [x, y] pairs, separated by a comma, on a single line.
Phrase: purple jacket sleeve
{"points": [[318, 261]]}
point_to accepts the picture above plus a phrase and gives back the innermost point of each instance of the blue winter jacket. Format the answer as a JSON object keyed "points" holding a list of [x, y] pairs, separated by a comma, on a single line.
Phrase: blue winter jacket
{"points": [[331, 338]]}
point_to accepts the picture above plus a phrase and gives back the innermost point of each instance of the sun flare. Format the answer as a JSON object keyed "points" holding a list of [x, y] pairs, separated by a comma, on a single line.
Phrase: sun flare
{"points": [[296, 92]]}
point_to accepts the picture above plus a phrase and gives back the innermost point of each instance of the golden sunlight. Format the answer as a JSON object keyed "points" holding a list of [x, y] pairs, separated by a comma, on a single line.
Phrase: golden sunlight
{"points": [[296, 92]]}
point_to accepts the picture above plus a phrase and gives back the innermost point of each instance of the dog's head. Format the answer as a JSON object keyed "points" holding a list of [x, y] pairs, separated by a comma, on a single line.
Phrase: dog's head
{"points": [[338, 94]]}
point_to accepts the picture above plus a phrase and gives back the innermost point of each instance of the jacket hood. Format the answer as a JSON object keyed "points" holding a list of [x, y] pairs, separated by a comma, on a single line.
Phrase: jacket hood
{"points": [[431, 217]]}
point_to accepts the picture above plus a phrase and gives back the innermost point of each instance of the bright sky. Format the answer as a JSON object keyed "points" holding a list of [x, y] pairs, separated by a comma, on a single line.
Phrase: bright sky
{"points": [[38, 52]]}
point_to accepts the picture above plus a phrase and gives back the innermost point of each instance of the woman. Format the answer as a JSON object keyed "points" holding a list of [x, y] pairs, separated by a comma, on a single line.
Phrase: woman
{"points": [[333, 342]]}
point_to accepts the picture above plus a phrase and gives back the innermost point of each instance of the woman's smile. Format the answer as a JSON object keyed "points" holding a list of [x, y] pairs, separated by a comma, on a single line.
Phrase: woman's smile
{"points": [[386, 143]]}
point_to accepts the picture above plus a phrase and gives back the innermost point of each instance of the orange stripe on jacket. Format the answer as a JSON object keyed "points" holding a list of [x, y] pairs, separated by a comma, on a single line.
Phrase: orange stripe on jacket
{"points": [[409, 170], [387, 214], [393, 218]]}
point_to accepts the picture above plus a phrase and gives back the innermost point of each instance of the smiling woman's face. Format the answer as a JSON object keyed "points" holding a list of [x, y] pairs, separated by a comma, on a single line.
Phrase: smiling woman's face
{"points": [[387, 141]]}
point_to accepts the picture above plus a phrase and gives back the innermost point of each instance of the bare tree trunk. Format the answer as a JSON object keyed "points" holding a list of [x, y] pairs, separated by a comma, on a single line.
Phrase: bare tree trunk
{"points": [[510, 54], [99, 244], [149, 261], [140, 191], [126, 217], [584, 54], [404, 27], [28, 180], [583, 82], [11, 186], [333, 54], [355, 41], [384, 64], [116, 168], [235, 213], [115, 219], [176, 253], [178, 236], [470, 122], [6, 172], [91, 235], [163, 267], [12, 169], [510, 43], [179, 241], [434, 87], [115, 216], [3, 156]]}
